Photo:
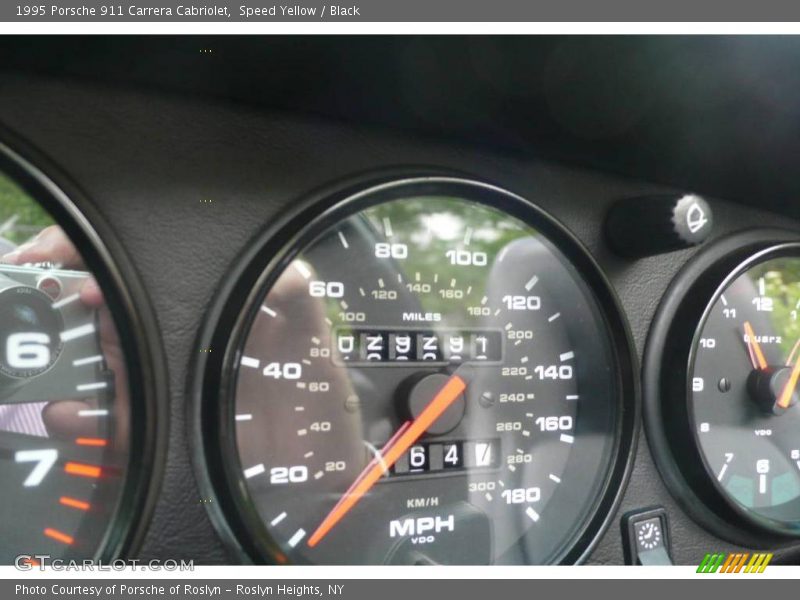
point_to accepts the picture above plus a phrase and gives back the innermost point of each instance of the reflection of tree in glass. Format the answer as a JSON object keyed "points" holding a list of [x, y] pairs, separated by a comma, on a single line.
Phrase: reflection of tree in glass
{"points": [[21, 217], [782, 284], [433, 225]]}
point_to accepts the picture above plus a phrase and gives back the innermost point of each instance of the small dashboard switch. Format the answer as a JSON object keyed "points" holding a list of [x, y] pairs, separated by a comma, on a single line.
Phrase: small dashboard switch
{"points": [[649, 225], [645, 537]]}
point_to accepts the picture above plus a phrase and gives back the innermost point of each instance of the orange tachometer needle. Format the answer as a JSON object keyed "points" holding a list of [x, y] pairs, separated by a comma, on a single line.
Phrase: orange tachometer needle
{"points": [[393, 450], [788, 390], [753, 343]]}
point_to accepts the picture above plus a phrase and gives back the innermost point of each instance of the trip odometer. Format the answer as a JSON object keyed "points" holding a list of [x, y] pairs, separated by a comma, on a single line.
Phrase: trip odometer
{"points": [[421, 376]]}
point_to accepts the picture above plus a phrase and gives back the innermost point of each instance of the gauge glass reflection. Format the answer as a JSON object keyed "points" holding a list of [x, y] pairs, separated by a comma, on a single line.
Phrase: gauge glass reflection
{"points": [[64, 401], [428, 380], [744, 382]]}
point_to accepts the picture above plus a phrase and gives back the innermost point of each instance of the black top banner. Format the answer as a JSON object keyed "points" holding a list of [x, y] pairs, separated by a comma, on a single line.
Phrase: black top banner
{"points": [[264, 11]]}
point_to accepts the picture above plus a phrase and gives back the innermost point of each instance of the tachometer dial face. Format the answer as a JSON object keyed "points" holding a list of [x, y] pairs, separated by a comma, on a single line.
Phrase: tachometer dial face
{"points": [[744, 380], [66, 420], [423, 377]]}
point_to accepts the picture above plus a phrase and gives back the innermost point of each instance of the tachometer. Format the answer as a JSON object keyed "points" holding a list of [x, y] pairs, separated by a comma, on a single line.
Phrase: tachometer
{"points": [[73, 399], [431, 371]]}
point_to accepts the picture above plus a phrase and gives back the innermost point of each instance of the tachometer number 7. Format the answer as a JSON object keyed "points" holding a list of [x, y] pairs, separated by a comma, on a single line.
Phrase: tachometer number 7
{"points": [[44, 459]]}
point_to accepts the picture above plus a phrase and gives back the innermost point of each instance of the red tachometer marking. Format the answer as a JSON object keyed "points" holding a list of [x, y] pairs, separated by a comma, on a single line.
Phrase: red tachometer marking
{"points": [[98, 442], [74, 503], [59, 536], [82, 470]]}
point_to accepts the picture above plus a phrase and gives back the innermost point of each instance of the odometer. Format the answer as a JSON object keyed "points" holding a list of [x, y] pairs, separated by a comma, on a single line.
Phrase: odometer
{"points": [[432, 371]]}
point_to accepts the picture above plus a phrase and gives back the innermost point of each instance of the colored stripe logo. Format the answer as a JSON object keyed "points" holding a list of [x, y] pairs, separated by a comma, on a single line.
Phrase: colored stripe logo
{"points": [[735, 563]]}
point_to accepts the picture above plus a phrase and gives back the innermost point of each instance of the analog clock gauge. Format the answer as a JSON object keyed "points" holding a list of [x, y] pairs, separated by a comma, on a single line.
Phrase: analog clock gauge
{"points": [[722, 372], [744, 388]]}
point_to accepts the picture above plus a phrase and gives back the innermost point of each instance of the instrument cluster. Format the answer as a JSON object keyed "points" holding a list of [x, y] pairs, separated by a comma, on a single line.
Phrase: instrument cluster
{"points": [[417, 367]]}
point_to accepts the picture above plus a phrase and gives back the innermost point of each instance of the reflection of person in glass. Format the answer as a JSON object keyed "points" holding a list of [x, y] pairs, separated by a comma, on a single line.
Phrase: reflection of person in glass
{"points": [[60, 418]]}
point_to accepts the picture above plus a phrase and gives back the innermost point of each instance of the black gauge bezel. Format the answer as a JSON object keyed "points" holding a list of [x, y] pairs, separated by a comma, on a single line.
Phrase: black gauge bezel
{"points": [[271, 252], [669, 355], [136, 326]]}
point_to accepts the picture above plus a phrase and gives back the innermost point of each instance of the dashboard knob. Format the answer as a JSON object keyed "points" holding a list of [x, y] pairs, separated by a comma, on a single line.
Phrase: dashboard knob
{"points": [[649, 225]]}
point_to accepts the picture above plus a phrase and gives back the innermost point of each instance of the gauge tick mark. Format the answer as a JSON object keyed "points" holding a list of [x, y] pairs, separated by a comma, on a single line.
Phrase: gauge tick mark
{"points": [[254, 470], [92, 413], [88, 387], [87, 361], [297, 537], [76, 332], [64, 301], [302, 269], [248, 361]]}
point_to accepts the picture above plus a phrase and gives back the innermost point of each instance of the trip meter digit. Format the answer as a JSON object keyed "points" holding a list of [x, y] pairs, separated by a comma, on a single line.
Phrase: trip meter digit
{"points": [[423, 376]]}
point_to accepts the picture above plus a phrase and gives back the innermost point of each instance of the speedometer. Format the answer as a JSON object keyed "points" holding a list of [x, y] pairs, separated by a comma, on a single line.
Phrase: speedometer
{"points": [[430, 371]]}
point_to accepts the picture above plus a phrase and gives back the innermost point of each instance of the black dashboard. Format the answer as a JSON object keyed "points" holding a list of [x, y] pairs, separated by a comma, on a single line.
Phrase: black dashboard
{"points": [[190, 171]]}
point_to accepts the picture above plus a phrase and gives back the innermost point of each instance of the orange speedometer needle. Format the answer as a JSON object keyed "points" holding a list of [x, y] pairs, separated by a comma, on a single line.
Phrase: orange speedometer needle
{"points": [[788, 390], [389, 455], [753, 343]]}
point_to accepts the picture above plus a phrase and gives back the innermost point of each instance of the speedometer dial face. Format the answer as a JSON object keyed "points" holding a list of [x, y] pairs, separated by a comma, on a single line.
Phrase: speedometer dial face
{"points": [[744, 395], [423, 377]]}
